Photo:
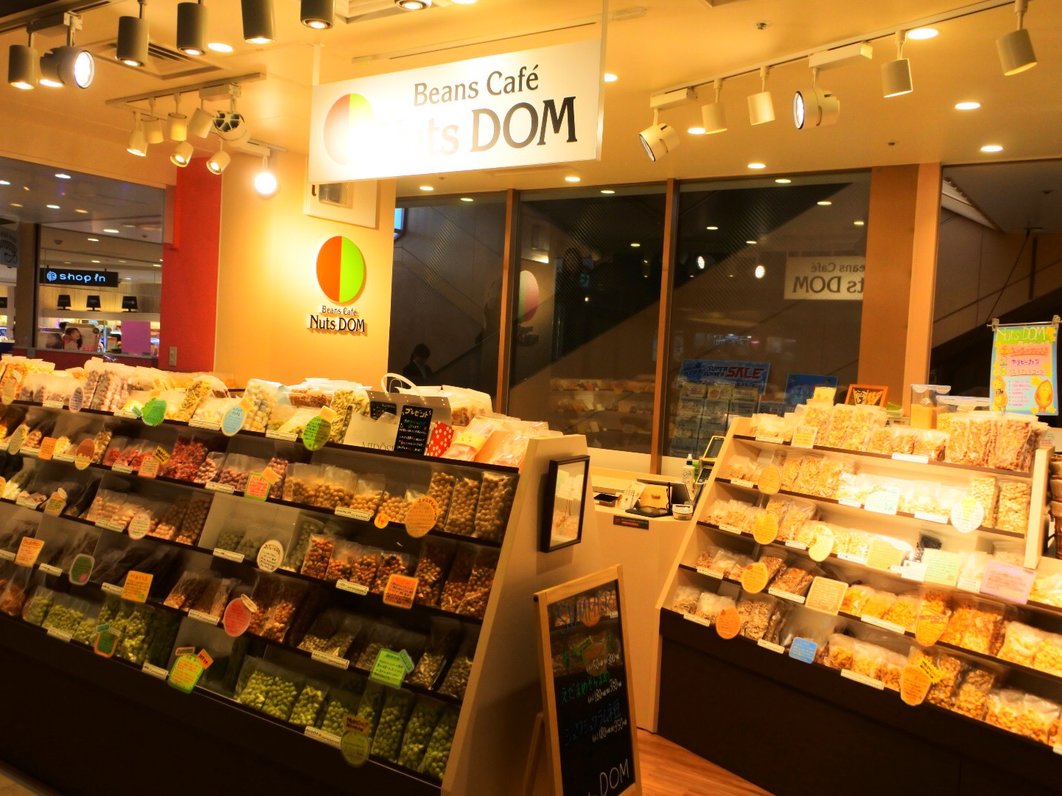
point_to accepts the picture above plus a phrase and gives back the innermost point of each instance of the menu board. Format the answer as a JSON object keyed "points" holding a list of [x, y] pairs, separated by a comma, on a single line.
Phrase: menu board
{"points": [[414, 425], [586, 687]]}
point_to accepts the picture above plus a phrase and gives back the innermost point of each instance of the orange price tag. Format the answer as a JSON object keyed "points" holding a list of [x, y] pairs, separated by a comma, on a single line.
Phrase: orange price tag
{"points": [[770, 480], [728, 623], [826, 595], [914, 685], [204, 658], [47, 449], [270, 476], [929, 629], [149, 468], [257, 487], [83, 456], [28, 550], [421, 516], [765, 529], [137, 585], [400, 591], [381, 521], [754, 578], [823, 545]]}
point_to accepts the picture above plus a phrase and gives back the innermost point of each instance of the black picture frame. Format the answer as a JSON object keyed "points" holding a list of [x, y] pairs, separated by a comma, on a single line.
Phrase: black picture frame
{"points": [[564, 491]]}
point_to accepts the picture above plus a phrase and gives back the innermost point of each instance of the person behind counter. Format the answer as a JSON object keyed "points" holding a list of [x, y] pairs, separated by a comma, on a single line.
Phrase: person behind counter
{"points": [[417, 370], [72, 339]]}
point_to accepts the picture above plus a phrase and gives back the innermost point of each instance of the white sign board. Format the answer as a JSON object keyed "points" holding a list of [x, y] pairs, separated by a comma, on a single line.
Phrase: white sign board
{"points": [[519, 109], [825, 278]]}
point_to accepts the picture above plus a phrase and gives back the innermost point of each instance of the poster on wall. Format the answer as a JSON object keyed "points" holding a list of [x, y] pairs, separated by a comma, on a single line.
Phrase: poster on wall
{"points": [[1025, 368], [824, 278], [736, 372], [526, 108]]}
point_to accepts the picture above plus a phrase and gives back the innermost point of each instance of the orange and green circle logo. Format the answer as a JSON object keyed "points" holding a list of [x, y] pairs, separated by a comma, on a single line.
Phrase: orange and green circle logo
{"points": [[346, 123], [340, 270]]}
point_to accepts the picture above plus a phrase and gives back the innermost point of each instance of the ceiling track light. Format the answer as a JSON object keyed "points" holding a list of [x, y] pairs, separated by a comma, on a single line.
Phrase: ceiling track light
{"points": [[317, 14], [819, 109], [178, 121], [68, 65], [182, 154], [138, 143], [132, 49], [413, 5], [23, 68], [257, 21], [153, 128], [896, 75], [1015, 49], [265, 182], [761, 106], [658, 139], [713, 114], [191, 27], [220, 160], [49, 71], [202, 122]]}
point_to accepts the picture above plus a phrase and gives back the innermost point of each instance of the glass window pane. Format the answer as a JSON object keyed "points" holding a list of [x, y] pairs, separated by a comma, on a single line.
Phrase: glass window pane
{"points": [[584, 331], [768, 286]]}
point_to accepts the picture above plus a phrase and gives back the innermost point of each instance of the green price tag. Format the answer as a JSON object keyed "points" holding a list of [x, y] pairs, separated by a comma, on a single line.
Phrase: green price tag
{"points": [[105, 643], [232, 422], [355, 748], [186, 671], [389, 669], [154, 412], [316, 433], [81, 569]]}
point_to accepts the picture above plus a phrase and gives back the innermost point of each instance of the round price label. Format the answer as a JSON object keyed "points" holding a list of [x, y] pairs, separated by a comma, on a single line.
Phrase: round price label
{"points": [[914, 685], [728, 623], [14, 442], [928, 630], [754, 578], [770, 480], [316, 433], [105, 643], [967, 515], [270, 554], [232, 421], [421, 516], [77, 399], [765, 529], [81, 569], [237, 618], [154, 412], [823, 545], [86, 450], [355, 748], [140, 525], [381, 520]]}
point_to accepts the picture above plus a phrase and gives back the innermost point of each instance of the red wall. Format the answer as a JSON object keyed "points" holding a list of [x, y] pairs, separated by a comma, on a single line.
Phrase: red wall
{"points": [[190, 271]]}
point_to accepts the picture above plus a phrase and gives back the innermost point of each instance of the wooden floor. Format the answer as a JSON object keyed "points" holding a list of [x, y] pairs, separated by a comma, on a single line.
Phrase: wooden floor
{"points": [[667, 770], [670, 770]]}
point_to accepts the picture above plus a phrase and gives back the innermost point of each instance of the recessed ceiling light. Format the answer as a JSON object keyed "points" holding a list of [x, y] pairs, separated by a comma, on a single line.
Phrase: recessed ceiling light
{"points": [[66, 262], [700, 262], [93, 240], [824, 203], [59, 175], [712, 228], [756, 165], [751, 242], [111, 231], [783, 181], [129, 226], [122, 262], [16, 204], [573, 178], [80, 210], [921, 34], [56, 207], [695, 130], [635, 245], [859, 223], [987, 148], [967, 105], [219, 47], [586, 299], [4, 182], [610, 77], [97, 262], [467, 199], [760, 272], [607, 191], [427, 187]]}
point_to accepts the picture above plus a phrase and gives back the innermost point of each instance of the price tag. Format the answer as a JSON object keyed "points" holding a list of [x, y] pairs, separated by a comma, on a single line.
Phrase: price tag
{"points": [[270, 555], [967, 515], [708, 572], [354, 747], [914, 458], [785, 595], [352, 587], [770, 645], [914, 685], [47, 450], [353, 514], [852, 504], [105, 643], [204, 617], [48, 569], [754, 578], [228, 555], [216, 486], [128, 414], [742, 483], [892, 627], [400, 590], [941, 567], [204, 658], [795, 545], [731, 529], [59, 635], [124, 469], [161, 454], [826, 595], [927, 516], [804, 437], [285, 436], [331, 660], [883, 555], [232, 421], [185, 674], [28, 550], [210, 425], [930, 669], [929, 629], [357, 724], [140, 525], [322, 736], [862, 679], [237, 618], [770, 480], [824, 395], [728, 623], [111, 525], [111, 588], [381, 520], [154, 412], [765, 529], [257, 487], [700, 620], [184, 651], [822, 546], [16, 440], [270, 476], [7, 555], [388, 669], [56, 503], [81, 569], [316, 433], [421, 516], [52, 404], [154, 671], [883, 501], [149, 467], [803, 650], [1008, 582], [86, 451], [77, 399], [137, 585]]}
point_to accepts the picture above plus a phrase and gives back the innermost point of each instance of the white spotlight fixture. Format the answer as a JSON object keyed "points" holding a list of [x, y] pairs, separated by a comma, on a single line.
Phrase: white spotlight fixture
{"points": [[191, 28], [658, 139], [257, 21], [49, 71], [23, 69], [761, 106], [896, 75], [138, 144], [153, 126], [178, 121], [922, 34], [219, 161], [317, 14], [413, 5], [133, 37], [202, 122], [821, 108], [75, 65], [713, 115], [182, 154], [1015, 48], [265, 182]]}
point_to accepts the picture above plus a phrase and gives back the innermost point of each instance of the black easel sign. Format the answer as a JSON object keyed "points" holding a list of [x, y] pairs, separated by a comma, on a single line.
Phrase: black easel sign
{"points": [[586, 687]]}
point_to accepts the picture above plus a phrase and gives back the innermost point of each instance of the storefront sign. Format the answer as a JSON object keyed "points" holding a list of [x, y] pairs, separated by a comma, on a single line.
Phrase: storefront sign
{"points": [[739, 373], [73, 276], [1025, 368], [517, 109], [824, 278]]}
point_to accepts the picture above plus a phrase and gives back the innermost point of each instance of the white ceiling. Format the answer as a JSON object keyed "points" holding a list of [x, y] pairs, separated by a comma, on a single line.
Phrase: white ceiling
{"points": [[652, 45]]}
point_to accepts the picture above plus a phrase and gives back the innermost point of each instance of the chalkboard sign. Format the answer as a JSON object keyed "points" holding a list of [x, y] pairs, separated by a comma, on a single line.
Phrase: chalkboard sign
{"points": [[586, 687], [414, 425]]}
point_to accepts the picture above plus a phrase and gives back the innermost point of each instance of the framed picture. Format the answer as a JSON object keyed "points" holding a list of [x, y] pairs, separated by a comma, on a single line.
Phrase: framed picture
{"points": [[867, 395], [563, 503]]}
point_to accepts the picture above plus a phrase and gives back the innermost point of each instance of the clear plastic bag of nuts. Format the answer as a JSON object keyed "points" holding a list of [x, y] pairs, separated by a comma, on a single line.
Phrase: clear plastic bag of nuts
{"points": [[453, 592], [477, 592], [460, 519], [301, 482], [432, 566], [441, 489], [495, 500], [391, 563], [336, 487], [369, 494]]}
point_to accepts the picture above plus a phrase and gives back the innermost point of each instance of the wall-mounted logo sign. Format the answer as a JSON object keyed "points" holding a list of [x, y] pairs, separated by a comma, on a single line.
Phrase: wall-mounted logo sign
{"points": [[518, 109], [341, 277], [71, 276], [825, 278]]}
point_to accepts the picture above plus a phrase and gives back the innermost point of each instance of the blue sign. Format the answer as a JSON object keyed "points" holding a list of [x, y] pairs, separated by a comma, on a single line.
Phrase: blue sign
{"points": [[64, 277], [799, 387], [739, 373], [803, 649]]}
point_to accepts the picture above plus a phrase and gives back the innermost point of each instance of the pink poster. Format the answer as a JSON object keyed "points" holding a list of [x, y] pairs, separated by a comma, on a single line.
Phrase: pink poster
{"points": [[136, 337]]}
